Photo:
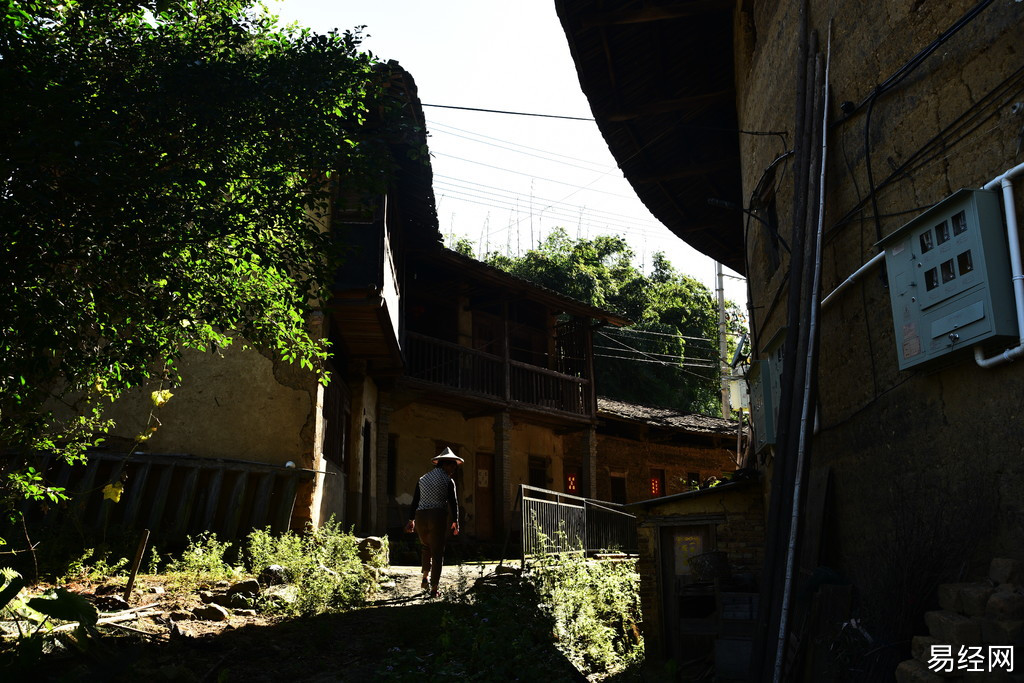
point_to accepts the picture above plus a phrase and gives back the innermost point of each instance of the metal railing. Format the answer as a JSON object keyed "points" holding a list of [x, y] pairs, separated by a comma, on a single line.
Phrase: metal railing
{"points": [[559, 522], [485, 374]]}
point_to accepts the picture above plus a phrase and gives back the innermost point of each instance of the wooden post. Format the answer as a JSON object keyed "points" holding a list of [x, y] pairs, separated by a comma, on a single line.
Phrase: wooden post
{"points": [[135, 564]]}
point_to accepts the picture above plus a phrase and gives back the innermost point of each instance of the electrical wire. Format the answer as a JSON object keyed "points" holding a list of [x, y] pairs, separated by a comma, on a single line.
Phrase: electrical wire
{"points": [[433, 123], [532, 175], [501, 111], [497, 191], [529, 154]]}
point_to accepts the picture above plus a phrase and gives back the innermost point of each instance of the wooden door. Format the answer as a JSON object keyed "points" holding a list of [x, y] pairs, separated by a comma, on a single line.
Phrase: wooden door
{"points": [[484, 496]]}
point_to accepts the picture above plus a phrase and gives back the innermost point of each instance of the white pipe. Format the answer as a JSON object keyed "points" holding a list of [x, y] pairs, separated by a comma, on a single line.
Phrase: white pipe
{"points": [[805, 409], [874, 261], [1005, 181]]}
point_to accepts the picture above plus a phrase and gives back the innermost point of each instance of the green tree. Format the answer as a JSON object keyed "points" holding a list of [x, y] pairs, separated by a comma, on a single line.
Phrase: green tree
{"points": [[669, 357], [163, 173]]}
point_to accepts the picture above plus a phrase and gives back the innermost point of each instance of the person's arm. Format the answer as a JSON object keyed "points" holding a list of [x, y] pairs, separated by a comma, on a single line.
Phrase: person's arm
{"points": [[410, 526], [415, 502]]}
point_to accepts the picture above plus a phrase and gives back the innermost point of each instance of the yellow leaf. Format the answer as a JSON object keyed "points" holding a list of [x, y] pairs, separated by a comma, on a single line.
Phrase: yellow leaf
{"points": [[161, 397], [113, 491]]}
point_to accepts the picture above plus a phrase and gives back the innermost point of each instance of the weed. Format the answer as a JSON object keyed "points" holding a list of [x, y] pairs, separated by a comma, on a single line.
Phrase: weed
{"points": [[202, 561], [594, 606], [95, 565], [322, 564]]}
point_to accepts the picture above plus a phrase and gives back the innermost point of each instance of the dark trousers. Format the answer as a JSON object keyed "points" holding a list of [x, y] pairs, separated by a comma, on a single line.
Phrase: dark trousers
{"points": [[432, 528]]}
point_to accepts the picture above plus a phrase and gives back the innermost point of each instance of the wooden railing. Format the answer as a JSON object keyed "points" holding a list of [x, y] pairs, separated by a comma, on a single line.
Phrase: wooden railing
{"points": [[485, 374]]}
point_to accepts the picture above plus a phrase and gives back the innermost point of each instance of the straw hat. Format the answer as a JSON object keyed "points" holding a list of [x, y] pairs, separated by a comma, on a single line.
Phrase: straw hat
{"points": [[446, 455]]}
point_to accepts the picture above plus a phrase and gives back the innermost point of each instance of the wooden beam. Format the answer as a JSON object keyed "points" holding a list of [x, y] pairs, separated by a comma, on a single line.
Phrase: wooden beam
{"points": [[673, 105], [648, 13]]}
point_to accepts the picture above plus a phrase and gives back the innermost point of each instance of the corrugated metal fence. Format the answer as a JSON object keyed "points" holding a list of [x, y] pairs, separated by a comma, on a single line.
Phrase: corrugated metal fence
{"points": [[558, 522]]}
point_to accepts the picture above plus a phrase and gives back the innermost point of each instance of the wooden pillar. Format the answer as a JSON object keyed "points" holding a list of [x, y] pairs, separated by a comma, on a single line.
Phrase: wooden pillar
{"points": [[588, 458], [504, 518]]}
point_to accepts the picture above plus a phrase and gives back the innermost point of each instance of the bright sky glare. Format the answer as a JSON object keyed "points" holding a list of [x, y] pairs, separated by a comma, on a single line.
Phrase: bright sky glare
{"points": [[500, 180]]}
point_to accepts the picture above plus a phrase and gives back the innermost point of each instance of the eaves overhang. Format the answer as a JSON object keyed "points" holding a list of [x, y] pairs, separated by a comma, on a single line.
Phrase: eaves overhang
{"points": [[660, 81]]}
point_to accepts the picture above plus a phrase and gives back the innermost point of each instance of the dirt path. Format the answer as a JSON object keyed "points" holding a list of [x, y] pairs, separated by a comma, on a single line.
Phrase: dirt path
{"points": [[351, 646]]}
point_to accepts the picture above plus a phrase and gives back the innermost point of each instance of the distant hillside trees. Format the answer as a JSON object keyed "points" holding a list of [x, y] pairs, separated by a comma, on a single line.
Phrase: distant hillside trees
{"points": [[669, 357]]}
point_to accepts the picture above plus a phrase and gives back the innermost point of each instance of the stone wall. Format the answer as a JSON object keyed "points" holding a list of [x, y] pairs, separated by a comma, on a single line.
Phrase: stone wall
{"points": [[933, 447]]}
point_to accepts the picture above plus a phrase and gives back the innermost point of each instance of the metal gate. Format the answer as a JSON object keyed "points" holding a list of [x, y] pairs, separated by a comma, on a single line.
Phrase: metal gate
{"points": [[557, 522]]}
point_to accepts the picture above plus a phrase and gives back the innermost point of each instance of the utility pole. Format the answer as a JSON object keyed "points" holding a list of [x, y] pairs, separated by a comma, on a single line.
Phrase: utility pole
{"points": [[723, 346]]}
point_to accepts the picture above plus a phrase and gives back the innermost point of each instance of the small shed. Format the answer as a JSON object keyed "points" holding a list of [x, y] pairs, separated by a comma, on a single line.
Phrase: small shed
{"points": [[701, 555]]}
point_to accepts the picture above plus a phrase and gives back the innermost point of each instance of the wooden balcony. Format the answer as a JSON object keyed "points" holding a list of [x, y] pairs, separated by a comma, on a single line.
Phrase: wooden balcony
{"points": [[494, 379]]}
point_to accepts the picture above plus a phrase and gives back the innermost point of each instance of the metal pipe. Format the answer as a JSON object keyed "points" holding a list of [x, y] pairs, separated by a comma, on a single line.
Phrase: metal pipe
{"points": [[1005, 181], [805, 412], [874, 261]]}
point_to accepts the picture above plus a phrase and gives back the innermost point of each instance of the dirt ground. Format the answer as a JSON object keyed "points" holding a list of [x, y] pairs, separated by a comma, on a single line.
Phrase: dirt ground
{"points": [[160, 645]]}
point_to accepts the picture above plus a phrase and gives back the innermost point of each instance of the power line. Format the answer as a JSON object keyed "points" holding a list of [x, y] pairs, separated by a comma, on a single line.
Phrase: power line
{"points": [[516, 144], [532, 175], [656, 362], [501, 111], [518, 151], [641, 222], [565, 212]]}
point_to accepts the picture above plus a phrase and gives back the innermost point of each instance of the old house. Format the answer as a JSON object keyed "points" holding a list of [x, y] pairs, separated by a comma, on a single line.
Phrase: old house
{"points": [[429, 349], [646, 452], [796, 142], [701, 553]]}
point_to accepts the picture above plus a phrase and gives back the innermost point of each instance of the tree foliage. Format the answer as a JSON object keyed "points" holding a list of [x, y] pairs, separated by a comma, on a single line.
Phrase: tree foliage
{"points": [[669, 357], [163, 170]]}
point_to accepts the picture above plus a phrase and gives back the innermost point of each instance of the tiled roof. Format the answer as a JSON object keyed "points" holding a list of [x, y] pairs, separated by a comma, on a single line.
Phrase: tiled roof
{"points": [[664, 417]]}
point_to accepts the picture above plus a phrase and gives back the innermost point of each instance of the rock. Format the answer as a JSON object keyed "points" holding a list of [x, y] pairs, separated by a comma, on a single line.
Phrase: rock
{"points": [[112, 603], [206, 596], [245, 613], [159, 590], [1006, 570], [210, 612], [248, 587], [1001, 632], [974, 598], [240, 601], [921, 647], [223, 583], [913, 671], [285, 594], [1005, 606], [950, 627], [949, 596], [222, 599], [273, 575], [371, 551]]}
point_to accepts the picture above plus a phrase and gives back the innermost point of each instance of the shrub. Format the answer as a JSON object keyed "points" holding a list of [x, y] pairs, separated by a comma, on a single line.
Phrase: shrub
{"points": [[323, 564], [595, 609]]}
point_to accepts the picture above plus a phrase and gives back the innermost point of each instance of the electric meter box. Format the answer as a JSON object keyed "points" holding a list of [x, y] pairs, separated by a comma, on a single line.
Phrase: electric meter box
{"points": [[949, 278], [766, 390]]}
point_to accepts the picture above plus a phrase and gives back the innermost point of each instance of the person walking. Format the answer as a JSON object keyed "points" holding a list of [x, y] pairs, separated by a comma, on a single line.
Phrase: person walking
{"points": [[434, 503]]}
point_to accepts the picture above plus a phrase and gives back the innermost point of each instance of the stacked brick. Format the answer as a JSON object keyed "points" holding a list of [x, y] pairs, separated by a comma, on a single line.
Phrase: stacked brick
{"points": [[974, 618]]}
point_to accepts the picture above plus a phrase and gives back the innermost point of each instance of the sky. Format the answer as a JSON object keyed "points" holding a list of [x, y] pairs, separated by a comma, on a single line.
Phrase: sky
{"points": [[505, 181]]}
